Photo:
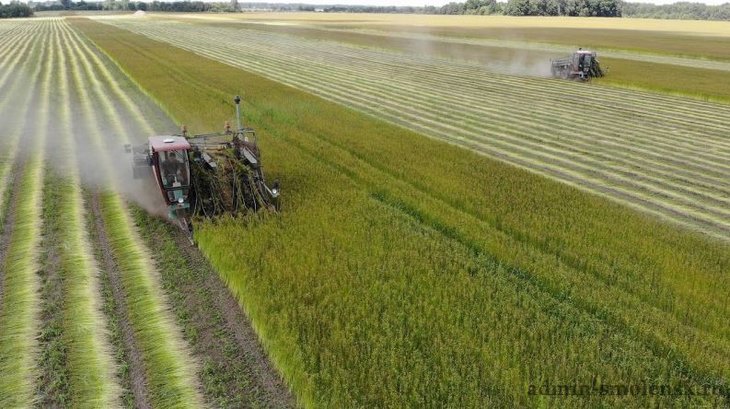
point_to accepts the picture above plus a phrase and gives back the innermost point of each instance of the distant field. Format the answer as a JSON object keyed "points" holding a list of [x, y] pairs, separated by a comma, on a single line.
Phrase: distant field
{"points": [[704, 39], [681, 57], [720, 28], [406, 272]]}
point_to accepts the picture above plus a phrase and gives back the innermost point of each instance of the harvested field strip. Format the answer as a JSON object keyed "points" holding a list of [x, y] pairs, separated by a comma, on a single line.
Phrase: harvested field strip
{"points": [[664, 184], [385, 38], [113, 83], [128, 357], [51, 383], [555, 48], [10, 58], [658, 37], [482, 104], [90, 363], [11, 35], [83, 110], [10, 167], [326, 51], [8, 26], [19, 307], [468, 97], [18, 318], [91, 366], [11, 134], [399, 270], [168, 366]]}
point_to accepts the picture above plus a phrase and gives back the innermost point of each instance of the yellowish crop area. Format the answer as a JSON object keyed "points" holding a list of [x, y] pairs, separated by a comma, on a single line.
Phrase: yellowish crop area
{"points": [[404, 271], [719, 28]]}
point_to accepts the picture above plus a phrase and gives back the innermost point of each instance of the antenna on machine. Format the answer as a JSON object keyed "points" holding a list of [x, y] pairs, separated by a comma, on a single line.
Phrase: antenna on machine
{"points": [[237, 100]]}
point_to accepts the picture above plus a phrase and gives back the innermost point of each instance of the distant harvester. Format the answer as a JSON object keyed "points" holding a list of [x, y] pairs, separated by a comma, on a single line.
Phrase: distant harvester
{"points": [[581, 65]]}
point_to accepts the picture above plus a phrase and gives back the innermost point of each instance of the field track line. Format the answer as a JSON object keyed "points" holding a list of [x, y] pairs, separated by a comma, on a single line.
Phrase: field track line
{"points": [[91, 127], [8, 166], [8, 220], [10, 57]]}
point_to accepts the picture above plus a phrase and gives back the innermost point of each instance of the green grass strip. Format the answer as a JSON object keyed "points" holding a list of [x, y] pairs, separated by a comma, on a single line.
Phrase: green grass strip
{"points": [[168, 365], [19, 308], [18, 318], [91, 367]]}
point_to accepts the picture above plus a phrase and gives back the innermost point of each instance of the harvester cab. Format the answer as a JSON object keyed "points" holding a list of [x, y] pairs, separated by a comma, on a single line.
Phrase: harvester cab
{"points": [[581, 65], [206, 175], [171, 169]]}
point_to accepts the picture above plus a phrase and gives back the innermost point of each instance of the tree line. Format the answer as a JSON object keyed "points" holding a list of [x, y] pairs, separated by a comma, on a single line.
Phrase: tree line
{"points": [[682, 10], [14, 10], [583, 8], [122, 5]]}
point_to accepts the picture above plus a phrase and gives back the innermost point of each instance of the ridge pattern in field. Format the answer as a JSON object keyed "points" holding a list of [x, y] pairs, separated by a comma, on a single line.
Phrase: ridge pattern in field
{"points": [[60, 117], [665, 155], [547, 47]]}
